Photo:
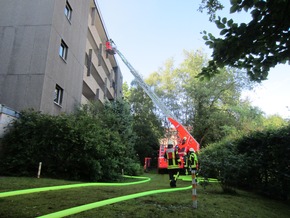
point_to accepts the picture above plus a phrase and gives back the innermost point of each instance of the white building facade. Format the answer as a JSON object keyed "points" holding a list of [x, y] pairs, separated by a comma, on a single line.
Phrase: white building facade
{"points": [[52, 56]]}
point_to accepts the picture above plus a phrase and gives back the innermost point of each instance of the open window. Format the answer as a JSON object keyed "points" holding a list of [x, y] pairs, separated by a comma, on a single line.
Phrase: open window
{"points": [[58, 95]]}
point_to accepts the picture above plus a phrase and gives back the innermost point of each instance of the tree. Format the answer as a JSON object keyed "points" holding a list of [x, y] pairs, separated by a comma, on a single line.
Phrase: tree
{"points": [[204, 105], [167, 87], [94, 144], [274, 122], [247, 119], [257, 46], [146, 125], [119, 137], [211, 6], [214, 102], [126, 91]]}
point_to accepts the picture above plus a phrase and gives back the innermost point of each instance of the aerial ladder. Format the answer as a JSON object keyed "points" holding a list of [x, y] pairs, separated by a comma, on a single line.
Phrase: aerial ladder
{"points": [[188, 140]]}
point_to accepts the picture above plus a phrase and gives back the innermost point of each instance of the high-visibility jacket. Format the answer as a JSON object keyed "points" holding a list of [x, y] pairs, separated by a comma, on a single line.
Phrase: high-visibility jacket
{"points": [[192, 160], [172, 157]]}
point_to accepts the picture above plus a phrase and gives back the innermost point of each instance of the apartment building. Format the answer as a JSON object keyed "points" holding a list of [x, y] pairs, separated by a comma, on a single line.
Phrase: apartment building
{"points": [[52, 56]]}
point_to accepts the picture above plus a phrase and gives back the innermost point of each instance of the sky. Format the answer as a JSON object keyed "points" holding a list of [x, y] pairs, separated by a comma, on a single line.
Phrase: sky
{"points": [[149, 32]]}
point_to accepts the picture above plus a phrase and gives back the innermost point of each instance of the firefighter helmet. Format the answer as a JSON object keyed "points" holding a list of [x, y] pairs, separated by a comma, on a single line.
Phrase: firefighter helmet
{"points": [[191, 149]]}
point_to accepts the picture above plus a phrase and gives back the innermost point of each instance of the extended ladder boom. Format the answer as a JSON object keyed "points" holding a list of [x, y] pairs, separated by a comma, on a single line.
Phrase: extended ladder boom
{"points": [[182, 131], [145, 87]]}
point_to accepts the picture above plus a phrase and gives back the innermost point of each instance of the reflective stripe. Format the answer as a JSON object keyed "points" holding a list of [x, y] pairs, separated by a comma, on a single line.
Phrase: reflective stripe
{"points": [[193, 160], [172, 159], [176, 176], [172, 167]]}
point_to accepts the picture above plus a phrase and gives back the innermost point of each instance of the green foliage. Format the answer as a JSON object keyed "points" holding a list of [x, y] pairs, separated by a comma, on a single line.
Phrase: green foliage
{"points": [[274, 122], [126, 91], [257, 46], [212, 107], [214, 103], [269, 153], [211, 6], [220, 160], [88, 145], [146, 125], [259, 161], [166, 86], [247, 119]]}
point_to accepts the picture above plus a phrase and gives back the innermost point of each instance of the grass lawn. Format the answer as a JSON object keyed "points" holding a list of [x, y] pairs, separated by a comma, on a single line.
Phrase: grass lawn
{"points": [[211, 201]]}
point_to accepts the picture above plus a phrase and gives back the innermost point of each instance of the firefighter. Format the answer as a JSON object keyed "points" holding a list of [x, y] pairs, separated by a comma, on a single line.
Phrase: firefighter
{"points": [[173, 162], [185, 155], [192, 159], [110, 50], [184, 140], [183, 151], [181, 145]]}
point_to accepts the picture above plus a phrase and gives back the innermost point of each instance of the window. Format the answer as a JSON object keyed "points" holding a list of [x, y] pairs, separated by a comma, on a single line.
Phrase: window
{"points": [[105, 88], [68, 11], [63, 49], [97, 96], [100, 55], [58, 93], [89, 62], [111, 78]]}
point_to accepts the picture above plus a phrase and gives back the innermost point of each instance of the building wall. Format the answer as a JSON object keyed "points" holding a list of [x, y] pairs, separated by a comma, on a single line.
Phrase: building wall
{"points": [[31, 32], [67, 74], [24, 38], [102, 77]]}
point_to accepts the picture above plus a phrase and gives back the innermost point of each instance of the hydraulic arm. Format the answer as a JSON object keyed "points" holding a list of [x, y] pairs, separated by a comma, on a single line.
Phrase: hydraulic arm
{"points": [[182, 131]]}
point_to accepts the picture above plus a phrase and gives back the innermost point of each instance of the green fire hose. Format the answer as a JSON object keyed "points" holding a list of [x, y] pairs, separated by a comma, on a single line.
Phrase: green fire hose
{"points": [[90, 206]]}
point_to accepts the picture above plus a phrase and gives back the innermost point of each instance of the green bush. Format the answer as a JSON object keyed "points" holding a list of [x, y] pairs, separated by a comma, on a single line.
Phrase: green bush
{"points": [[259, 161], [88, 145]]}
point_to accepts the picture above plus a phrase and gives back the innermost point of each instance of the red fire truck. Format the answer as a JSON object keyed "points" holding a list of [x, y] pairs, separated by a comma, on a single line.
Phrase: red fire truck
{"points": [[182, 132], [180, 138]]}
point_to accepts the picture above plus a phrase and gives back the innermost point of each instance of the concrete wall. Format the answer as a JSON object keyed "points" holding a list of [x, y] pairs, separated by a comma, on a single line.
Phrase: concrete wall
{"points": [[104, 74], [30, 66], [24, 38], [67, 74], [31, 32]]}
